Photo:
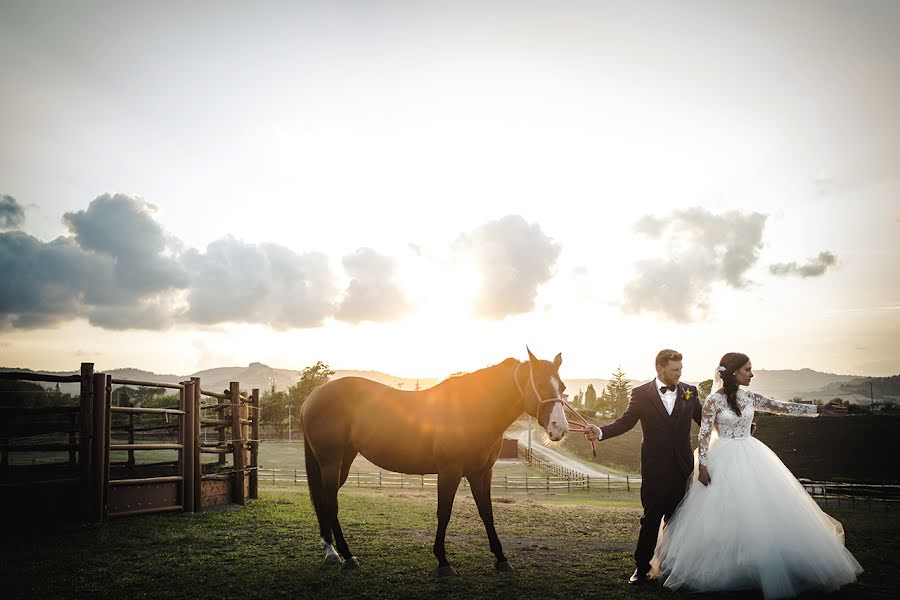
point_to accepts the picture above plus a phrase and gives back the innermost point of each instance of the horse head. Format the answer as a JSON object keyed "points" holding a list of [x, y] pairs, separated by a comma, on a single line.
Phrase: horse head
{"points": [[542, 392]]}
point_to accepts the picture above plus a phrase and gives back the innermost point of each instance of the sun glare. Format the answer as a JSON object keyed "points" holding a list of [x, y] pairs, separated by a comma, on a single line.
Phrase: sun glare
{"points": [[442, 290]]}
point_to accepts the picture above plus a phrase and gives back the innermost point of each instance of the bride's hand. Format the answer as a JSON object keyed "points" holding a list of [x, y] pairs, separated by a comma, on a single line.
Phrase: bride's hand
{"points": [[703, 475]]}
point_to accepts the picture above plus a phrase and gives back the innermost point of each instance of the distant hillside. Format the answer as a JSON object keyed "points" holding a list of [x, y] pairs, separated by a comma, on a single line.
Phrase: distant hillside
{"points": [[779, 384], [254, 375], [788, 383], [883, 389]]}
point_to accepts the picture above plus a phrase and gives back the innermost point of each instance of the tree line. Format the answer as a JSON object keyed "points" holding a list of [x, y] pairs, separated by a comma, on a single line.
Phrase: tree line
{"points": [[613, 399]]}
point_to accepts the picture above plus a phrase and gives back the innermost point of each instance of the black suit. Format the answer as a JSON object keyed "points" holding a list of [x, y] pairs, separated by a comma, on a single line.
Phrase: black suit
{"points": [[667, 460]]}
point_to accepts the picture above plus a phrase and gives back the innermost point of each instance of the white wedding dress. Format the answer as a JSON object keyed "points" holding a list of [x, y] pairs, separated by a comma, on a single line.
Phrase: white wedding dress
{"points": [[754, 526]]}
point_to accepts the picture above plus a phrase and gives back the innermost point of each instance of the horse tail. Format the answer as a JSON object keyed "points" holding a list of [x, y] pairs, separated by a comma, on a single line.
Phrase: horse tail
{"points": [[313, 478]]}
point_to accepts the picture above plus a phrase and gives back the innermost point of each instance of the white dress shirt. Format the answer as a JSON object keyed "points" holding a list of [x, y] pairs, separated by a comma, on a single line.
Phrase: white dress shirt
{"points": [[668, 400]]}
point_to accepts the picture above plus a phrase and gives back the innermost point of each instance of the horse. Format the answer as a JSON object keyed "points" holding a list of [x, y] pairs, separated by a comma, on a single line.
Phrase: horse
{"points": [[453, 429]]}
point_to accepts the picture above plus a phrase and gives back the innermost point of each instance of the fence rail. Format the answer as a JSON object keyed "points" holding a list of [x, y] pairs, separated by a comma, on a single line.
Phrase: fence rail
{"points": [[524, 483], [828, 493]]}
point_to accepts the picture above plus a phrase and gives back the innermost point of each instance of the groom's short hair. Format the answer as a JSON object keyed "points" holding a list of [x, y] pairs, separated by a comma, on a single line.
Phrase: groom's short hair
{"points": [[664, 356]]}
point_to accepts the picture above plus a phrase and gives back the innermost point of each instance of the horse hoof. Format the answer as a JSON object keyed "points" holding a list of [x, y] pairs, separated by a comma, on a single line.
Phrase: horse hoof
{"points": [[446, 571], [350, 564], [504, 566], [332, 559]]}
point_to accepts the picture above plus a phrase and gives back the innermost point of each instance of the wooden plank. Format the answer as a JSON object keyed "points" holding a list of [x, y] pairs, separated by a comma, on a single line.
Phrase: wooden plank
{"points": [[98, 450], [238, 482], [146, 480], [120, 447], [18, 411], [254, 447], [25, 376], [171, 386], [145, 511], [195, 446], [58, 447], [186, 454], [146, 411], [143, 496]]}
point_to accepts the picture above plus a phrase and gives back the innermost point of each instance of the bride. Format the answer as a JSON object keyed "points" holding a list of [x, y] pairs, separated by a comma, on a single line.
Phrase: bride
{"points": [[750, 525]]}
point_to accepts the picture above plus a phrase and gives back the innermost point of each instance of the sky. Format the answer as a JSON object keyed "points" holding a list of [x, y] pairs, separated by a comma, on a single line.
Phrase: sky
{"points": [[423, 188]]}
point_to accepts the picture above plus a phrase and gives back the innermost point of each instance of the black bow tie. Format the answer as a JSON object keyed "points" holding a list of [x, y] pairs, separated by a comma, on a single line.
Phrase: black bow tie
{"points": [[668, 388]]}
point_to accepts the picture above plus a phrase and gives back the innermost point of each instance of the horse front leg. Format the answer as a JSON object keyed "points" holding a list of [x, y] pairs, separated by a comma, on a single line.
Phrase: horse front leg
{"points": [[481, 491], [448, 482]]}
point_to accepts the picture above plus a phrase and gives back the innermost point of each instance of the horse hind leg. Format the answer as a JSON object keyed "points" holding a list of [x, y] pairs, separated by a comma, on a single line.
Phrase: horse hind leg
{"points": [[316, 493], [331, 480]]}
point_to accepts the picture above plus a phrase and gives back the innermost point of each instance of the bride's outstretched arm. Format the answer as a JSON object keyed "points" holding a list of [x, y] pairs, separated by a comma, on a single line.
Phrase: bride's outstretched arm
{"points": [[782, 408]]}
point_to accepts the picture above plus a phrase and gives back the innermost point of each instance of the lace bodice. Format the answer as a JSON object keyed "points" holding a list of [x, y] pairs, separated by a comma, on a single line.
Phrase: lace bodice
{"points": [[718, 414]]}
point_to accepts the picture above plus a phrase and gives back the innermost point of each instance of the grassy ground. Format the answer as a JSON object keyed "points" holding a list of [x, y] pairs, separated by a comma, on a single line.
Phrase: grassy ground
{"points": [[565, 546]]}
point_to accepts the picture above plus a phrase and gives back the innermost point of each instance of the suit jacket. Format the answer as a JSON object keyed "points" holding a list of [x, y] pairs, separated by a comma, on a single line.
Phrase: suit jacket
{"points": [[667, 438]]}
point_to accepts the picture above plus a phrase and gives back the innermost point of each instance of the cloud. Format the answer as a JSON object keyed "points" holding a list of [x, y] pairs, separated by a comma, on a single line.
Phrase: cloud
{"points": [[119, 269], [372, 295], [514, 259], [701, 249], [111, 271], [814, 267], [123, 228], [45, 283], [12, 215], [267, 283]]}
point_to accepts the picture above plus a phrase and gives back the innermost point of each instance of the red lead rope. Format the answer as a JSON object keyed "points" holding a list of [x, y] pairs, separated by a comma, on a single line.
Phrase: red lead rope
{"points": [[581, 426]]}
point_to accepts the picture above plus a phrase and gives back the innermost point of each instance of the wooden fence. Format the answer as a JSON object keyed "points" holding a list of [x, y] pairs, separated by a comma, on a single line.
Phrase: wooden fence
{"points": [[92, 487]]}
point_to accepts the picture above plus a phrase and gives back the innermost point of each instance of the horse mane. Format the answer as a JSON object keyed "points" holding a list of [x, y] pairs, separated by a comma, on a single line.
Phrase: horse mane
{"points": [[481, 377]]}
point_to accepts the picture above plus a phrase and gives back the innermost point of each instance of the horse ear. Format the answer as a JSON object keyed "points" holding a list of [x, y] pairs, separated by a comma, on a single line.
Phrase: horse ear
{"points": [[531, 356], [558, 360]]}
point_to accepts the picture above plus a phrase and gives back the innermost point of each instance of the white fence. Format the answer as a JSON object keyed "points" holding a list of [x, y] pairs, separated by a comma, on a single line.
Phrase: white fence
{"points": [[530, 483]]}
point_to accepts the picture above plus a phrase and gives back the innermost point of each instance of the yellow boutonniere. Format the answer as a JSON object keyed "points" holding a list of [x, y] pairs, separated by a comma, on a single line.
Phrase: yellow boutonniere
{"points": [[687, 394]]}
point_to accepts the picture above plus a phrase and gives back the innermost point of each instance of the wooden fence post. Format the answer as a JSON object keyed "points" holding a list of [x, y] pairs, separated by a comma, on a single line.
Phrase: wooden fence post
{"points": [[84, 450], [196, 432], [130, 461], [107, 440], [186, 438], [237, 445], [220, 415], [254, 444], [98, 448]]}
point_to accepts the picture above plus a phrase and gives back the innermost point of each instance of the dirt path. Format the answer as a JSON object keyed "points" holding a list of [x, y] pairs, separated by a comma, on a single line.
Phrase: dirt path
{"points": [[564, 460]]}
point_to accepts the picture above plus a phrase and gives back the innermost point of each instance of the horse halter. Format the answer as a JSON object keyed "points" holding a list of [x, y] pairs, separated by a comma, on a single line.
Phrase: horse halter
{"points": [[581, 426]]}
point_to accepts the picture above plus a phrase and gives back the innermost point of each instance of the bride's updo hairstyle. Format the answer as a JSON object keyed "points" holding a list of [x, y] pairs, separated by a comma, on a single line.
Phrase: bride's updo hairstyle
{"points": [[732, 362]]}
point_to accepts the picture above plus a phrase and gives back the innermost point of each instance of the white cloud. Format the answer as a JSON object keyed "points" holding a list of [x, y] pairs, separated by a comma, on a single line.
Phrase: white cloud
{"points": [[700, 249], [514, 258], [373, 294], [814, 267]]}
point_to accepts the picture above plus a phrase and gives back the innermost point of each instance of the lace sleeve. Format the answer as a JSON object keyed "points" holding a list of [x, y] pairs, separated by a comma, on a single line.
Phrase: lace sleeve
{"points": [[707, 419], [782, 408]]}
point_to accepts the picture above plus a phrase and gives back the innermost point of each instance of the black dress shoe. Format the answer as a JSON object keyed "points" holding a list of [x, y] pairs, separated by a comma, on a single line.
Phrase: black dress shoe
{"points": [[638, 578]]}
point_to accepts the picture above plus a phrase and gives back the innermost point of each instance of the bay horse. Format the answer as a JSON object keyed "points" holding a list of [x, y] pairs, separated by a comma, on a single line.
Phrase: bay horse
{"points": [[453, 429]]}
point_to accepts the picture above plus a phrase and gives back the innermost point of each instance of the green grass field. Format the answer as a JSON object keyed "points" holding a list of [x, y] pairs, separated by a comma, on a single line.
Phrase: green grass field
{"points": [[565, 546]]}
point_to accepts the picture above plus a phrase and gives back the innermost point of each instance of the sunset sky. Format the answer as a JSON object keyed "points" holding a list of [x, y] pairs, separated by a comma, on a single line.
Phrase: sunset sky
{"points": [[426, 187]]}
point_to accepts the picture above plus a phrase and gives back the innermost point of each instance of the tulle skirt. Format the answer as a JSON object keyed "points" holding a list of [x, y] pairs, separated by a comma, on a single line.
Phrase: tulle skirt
{"points": [[753, 527]]}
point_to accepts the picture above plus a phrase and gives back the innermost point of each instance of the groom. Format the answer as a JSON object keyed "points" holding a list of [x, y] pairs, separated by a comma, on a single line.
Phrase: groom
{"points": [[665, 408]]}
